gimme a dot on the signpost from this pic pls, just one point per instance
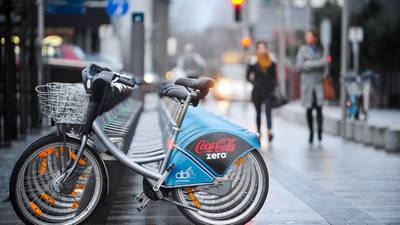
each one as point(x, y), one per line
point(64, 6)
point(137, 45)
point(356, 35)
point(117, 8)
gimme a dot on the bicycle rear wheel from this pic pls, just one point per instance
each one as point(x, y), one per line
point(34, 195)
point(249, 189)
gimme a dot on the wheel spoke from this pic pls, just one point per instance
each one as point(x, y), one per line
point(37, 196)
point(246, 195)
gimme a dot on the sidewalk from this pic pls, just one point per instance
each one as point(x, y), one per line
point(8, 158)
point(282, 207)
point(342, 181)
point(382, 130)
point(338, 182)
point(10, 155)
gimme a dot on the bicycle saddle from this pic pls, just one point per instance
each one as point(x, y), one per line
point(168, 89)
point(199, 84)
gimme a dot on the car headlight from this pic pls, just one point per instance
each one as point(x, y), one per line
point(224, 88)
point(148, 78)
point(169, 75)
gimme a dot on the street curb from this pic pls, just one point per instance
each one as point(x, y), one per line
point(382, 138)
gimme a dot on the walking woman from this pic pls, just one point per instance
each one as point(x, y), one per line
point(311, 63)
point(262, 75)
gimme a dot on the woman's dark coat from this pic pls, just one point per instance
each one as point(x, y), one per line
point(263, 82)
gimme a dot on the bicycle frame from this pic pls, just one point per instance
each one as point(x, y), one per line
point(135, 165)
point(189, 166)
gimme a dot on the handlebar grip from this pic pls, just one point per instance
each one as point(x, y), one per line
point(126, 81)
point(137, 80)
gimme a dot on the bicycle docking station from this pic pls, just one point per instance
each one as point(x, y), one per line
point(119, 124)
point(210, 165)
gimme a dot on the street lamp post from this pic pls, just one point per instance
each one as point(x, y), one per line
point(40, 36)
point(356, 35)
point(343, 63)
point(282, 46)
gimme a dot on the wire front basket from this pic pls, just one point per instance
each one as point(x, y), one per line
point(63, 102)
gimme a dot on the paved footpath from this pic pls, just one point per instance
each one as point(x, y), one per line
point(343, 182)
point(8, 157)
point(336, 182)
point(282, 206)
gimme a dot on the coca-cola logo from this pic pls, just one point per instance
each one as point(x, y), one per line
point(222, 145)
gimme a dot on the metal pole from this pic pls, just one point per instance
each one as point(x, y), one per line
point(343, 63)
point(137, 46)
point(356, 57)
point(308, 12)
point(40, 36)
point(282, 48)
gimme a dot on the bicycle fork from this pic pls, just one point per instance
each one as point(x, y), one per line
point(66, 182)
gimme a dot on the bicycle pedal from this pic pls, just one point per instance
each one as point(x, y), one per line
point(143, 205)
point(139, 196)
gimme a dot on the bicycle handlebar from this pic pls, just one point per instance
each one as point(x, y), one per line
point(126, 81)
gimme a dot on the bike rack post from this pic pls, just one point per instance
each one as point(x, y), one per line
point(121, 156)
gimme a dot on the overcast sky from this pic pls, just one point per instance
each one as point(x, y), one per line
point(197, 15)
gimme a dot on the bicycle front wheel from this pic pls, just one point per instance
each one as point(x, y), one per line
point(247, 194)
point(34, 195)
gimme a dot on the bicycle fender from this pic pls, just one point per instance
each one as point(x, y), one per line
point(217, 151)
point(187, 171)
point(207, 156)
point(212, 142)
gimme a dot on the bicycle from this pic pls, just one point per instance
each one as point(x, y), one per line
point(358, 88)
point(214, 177)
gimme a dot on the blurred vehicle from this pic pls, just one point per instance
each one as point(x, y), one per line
point(151, 82)
point(231, 83)
point(104, 61)
point(58, 53)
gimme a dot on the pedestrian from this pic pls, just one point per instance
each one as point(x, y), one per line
point(261, 73)
point(191, 62)
point(311, 63)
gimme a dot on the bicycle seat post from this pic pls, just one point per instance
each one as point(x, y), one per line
point(180, 115)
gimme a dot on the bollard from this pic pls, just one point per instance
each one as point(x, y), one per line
point(367, 134)
point(392, 140)
point(358, 133)
point(378, 136)
point(349, 130)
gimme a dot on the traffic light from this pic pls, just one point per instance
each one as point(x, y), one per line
point(246, 42)
point(237, 5)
